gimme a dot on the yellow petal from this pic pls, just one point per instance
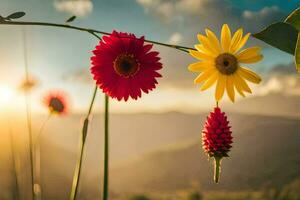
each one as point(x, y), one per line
point(220, 88)
point(225, 38)
point(213, 40)
point(235, 40)
point(252, 59)
point(238, 86)
point(249, 75)
point(242, 42)
point(209, 82)
point(201, 48)
point(230, 87)
point(207, 45)
point(242, 83)
point(248, 53)
point(204, 75)
point(200, 55)
point(199, 66)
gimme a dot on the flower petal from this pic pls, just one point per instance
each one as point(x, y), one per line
point(242, 42)
point(242, 83)
point(238, 86)
point(235, 40)
point(252, 59)
point(249, 75)
point(199, 66)
point(220, 88)
point(210, 81)
point(204, 75)
point(248, 53)
point(230, 87)
point(201, 48)
point(200, 55)
point(213, 40)
point(207, 45)
point(225, 38)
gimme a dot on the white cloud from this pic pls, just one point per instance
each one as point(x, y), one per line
point(197, 14)
point(79, 8)
point(284, 84)
point(175, 38)
point(264, 12)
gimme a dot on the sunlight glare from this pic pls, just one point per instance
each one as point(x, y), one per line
point(6, 94)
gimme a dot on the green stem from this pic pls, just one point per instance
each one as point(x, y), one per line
point(106, 149)
point(92, 31)
point(77, 173)
point(217, 169)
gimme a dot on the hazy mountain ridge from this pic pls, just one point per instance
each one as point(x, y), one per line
point(264, 152)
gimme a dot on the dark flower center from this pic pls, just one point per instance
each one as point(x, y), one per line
point(126, 65)
point(56, 105)
point(226, 63)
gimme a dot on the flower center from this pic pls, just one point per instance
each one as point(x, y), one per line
point(56, 105)
point(126, 65)
point(226, 63)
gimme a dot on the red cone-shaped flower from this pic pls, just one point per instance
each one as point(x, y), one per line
point(216, 138)
point(124, 66)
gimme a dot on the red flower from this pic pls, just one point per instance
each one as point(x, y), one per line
point(123, 66)
point(56, 103)
point(216, 138)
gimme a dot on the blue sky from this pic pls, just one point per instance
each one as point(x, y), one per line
point(59, 58)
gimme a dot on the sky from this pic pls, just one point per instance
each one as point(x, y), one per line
point(60, 58)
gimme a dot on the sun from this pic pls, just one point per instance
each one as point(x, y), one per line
point(6, 94)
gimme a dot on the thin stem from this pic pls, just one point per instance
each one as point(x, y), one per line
point(77, 173)
point(37, 158)
point(106, 149)
point(28, 113)
point(16, 192)
point(42, 127)
point(217, 169)
point(92, 31)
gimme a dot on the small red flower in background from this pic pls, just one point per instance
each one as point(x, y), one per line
point(216, 138)
point(56, 103)
point(123, 66)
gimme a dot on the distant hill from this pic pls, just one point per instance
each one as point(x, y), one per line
point(163, 152)
point(265, 152)
point(271, 104)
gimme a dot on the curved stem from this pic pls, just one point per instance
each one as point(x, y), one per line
point(42, 127)
point(106, 149)
point(77, 173)
point(92, 31)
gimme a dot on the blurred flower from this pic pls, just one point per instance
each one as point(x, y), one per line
point(123, 66)
point(216, 137)
point(28, 84)
point(220, 62)
point(56, 103)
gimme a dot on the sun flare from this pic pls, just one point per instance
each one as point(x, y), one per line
point(6, 94)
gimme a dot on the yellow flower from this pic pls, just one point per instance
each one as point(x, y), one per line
point(220, 62)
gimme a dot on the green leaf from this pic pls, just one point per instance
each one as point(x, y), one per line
point(280, 35)
point(16, 15)
point(297, 54)
point(71, 19)
point(294, 19)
